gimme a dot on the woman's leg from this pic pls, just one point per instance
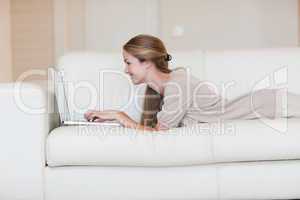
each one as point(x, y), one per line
point(287, 104)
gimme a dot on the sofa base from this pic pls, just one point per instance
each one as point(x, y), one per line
point(239, 180)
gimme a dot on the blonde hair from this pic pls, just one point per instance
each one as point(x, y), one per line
point(149, 48)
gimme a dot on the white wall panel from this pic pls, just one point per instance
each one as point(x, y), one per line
point(111, 23)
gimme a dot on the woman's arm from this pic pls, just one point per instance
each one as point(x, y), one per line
point(130, 123)
point(120, 116)
point(127, 122)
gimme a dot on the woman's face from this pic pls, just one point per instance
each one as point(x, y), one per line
point(134, 68)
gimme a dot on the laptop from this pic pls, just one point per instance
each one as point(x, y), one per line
point(63, 108)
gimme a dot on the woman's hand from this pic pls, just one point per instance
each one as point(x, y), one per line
point(121, 117)
point(100, 116)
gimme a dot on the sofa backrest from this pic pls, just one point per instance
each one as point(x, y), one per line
point(246, 70)
point(97, 81)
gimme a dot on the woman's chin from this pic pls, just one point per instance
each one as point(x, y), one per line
point(135, 81)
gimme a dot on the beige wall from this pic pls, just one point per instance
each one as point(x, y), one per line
point(5, 47)
point(109, 24)
point(69, 26)
point(44, 30)
point(230, 24)
point(32, 35)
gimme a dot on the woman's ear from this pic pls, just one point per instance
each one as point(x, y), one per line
point(147, 64)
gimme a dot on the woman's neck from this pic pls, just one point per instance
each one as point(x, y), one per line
point(157, 80)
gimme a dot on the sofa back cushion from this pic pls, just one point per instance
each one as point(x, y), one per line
point(245, 70)
point(192, 60)
point(97, 81)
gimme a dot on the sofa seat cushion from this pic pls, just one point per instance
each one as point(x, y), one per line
point(230, 141)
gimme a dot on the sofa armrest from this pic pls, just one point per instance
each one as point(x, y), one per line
point(26, 117)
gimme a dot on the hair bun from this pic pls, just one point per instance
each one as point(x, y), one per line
point(168, 57)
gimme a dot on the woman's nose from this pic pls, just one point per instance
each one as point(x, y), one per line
point(126, 69)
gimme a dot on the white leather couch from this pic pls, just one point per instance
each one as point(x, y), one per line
point(238, 159)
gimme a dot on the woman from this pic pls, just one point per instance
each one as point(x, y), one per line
point(175, 98)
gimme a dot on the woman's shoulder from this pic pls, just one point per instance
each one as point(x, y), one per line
point(184, 75)
point(180, 80)
point(178, 72)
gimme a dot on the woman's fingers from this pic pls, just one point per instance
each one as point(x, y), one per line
point(99, 120)
point(86, 114)
point(89, 115)
point(93, 115)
